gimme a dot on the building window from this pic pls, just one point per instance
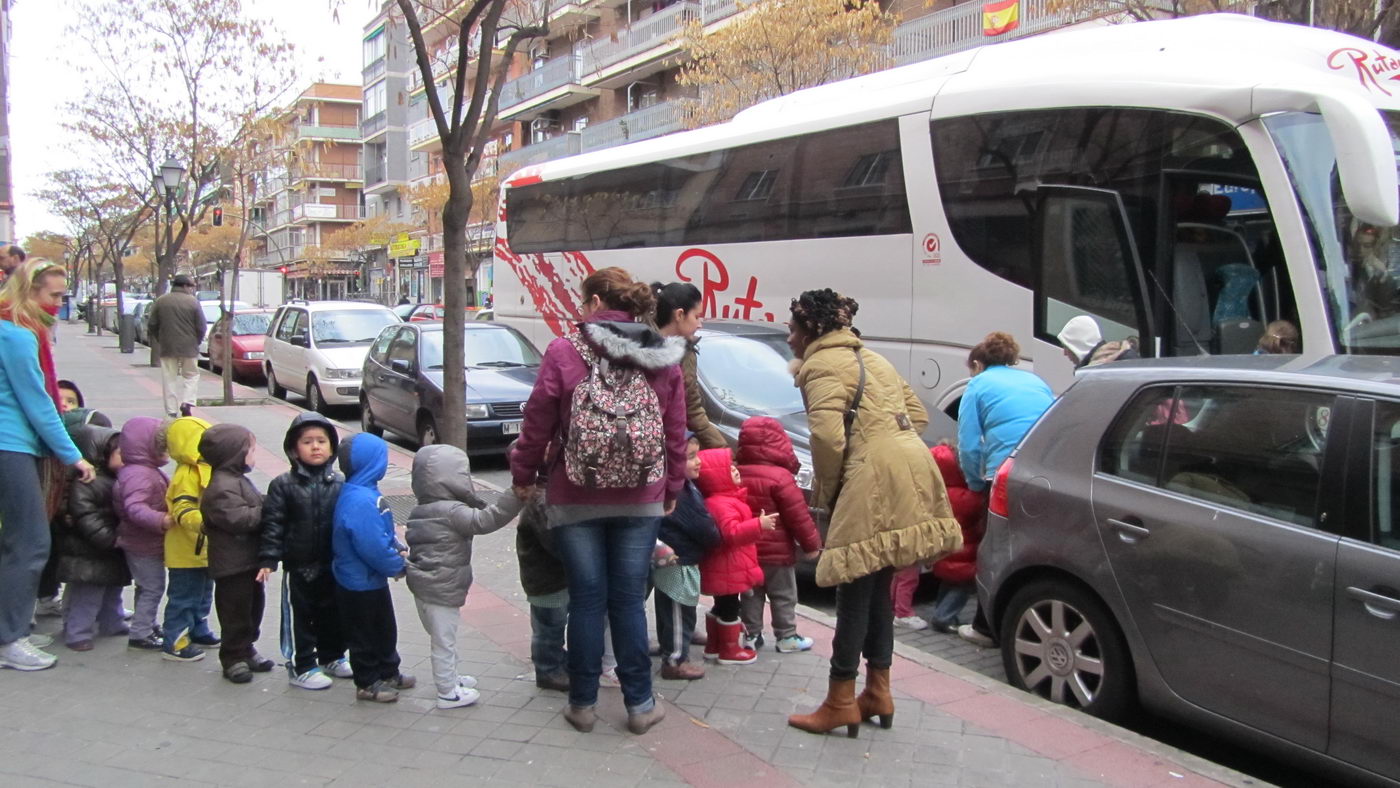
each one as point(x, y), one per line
point(757, 186)
point(375, 47)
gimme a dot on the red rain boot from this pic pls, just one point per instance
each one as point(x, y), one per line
point(732, 650)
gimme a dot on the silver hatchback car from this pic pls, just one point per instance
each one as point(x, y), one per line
point(1218, 539)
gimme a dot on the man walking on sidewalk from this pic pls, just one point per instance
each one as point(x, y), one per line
point(177, 325)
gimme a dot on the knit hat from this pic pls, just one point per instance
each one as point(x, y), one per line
point(1080, 336)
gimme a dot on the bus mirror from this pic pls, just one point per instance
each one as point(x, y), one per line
point(1365, 153)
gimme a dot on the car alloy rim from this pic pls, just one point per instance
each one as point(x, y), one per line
point(1057, 653)
point(429, 435)
point(313, 394)
point(366, 418)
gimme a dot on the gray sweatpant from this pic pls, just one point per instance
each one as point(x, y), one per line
point(780, 588)
point(148, 572)
point(441, 622)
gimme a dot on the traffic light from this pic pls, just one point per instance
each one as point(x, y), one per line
point(282, 269)
point(218, 217)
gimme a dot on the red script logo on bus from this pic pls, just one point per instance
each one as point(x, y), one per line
point(1371, 67)
point(714, 284)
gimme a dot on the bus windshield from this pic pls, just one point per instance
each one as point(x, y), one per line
point(1359, 262)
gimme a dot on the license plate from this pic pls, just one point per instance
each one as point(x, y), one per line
point(510, 428)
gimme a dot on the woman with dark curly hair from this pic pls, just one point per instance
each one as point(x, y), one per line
point(888, 506)
point(1000, 406)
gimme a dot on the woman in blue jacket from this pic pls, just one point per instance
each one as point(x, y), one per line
point(30, 429)
point(1000, 406)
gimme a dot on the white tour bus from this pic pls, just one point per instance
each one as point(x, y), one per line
point(1185, 182)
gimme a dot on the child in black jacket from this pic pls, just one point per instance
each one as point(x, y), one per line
point(690, 532)
point(296, 531)
point(87, 557)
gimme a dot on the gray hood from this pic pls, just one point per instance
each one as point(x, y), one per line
point(443, 473)
point(633, 343)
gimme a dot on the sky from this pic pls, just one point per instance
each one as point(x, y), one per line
point(44, 76)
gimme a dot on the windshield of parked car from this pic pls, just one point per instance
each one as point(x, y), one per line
point(349, 326)
point(490, 348)
point(1359, 263)
point(255, 323)
point(750, 374)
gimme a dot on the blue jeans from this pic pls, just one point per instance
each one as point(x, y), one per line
point(951, 599)
point(189, 593)
point(609, 563)
point(24, 542)
point(547, 625)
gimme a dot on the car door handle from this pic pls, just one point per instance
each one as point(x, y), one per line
point(1379, 605)
point(1130, 531)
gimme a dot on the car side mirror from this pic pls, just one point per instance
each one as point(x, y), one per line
point(299, 340)
point(401, 365)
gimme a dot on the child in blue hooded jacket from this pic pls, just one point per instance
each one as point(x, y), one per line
point(365, 554)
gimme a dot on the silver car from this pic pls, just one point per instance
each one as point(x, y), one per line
point(1218, 539)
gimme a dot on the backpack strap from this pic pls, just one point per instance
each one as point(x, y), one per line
point(849, 417)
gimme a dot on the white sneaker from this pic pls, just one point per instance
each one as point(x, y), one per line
point(40, 641)
point(966, 632)
point(49, 607)
point(793, 644)
point(911, 622)
point(608, 678)
point(465, 696)
point(22, 655)
point(469, 682)
point(340, 669)
point(314, 679)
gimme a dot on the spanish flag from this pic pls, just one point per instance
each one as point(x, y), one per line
point(1000, 17)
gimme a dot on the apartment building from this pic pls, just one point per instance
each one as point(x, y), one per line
point(313, 191)
point(389, 61)
point(7, 208)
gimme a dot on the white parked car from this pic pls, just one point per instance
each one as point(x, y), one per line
point(318, 349)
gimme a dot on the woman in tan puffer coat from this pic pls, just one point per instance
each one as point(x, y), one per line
point(888, 506)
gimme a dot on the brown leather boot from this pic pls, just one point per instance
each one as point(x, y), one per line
point(838, 709)
point(875, 700)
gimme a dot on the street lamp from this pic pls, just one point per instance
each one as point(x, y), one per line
point(167, 182)
point(171, 172)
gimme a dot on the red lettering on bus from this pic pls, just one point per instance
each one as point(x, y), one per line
point(714, 277)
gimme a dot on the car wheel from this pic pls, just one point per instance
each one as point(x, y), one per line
point(427, 431)
point(367, 419)
point(1058, 641)
point(272, 387)
point(314, 400)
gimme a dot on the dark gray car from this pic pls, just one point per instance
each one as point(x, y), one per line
point(1219, 539)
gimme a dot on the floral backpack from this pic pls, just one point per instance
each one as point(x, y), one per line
point(615, 437)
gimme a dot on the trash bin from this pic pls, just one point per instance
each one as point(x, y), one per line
point(126, 333)
point(65, 312)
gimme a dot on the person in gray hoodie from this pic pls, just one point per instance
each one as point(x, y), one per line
point(439, 535)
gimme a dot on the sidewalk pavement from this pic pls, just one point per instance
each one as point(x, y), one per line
point(113, 717)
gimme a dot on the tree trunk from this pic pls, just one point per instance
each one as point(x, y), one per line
point(452, 427)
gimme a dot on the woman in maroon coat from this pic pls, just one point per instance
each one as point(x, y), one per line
point(767, 466)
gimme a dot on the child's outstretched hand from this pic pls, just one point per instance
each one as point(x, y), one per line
point(167, 523)
point(767, 521)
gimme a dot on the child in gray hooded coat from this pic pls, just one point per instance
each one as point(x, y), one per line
point(439, 568)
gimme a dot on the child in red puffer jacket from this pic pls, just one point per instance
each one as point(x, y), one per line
point(731, 568)
point(767, 465)
point(956, 572)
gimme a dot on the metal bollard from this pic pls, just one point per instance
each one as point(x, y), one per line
point(126, 333)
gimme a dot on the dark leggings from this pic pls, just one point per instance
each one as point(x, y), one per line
point(726, 607)
point(864, 625)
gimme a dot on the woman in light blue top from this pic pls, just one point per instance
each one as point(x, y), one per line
point(30, 428)
point(998, 408)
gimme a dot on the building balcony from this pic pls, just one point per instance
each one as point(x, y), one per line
point(328, 131)
point(321, 212)
point(327, 171)
point(653, 121)
point(612, 63)
point(551, 86)
point(423, 135)
point(375, 70)
point(571, 13)
point(713, 11)
point(960, 28)
point(374, 125)
point(566, 144)
point(481, 236)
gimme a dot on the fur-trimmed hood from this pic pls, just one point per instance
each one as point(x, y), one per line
point(631, 343)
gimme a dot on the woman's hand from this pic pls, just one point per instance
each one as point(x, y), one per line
point(86, 473)
point(670, 507)
point(523, 493)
